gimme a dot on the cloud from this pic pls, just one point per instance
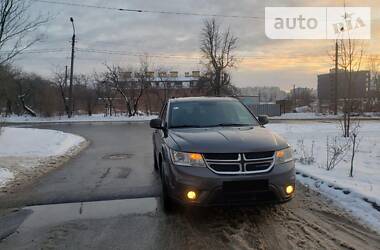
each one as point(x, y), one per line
point(266, 62)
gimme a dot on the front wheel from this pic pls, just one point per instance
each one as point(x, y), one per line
point(167, 202)
point(155, 161)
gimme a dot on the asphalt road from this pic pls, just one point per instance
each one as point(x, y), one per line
point(108, 198)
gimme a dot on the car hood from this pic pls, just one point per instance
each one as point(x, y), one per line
point(225, 140)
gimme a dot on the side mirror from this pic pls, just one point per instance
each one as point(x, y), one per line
point(263, 119)
point(156, 123)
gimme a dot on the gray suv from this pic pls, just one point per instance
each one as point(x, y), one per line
point(214, 151)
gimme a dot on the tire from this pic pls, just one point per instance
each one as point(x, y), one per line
point(155, 161)
point(167, 202)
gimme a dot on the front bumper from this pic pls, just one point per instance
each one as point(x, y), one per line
point(211, 187)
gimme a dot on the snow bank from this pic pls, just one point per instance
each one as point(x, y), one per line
point(319, 116)
point(350, 202)
point(79, 118)
point(23, 150)
point(5, 176)
point(357, 193)
point(29, 142)
point(304, 116)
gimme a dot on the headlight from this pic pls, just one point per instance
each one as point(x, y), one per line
point(284, 156)
point(187, 159)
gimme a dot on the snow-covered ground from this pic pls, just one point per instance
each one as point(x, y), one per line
point(25, 150)
point(306, 116)
point(124, 118)
point(318, 116)
point(5, 176)
point(359, 194)
point(79, 118)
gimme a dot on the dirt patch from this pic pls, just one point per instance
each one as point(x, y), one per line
point(29, 169)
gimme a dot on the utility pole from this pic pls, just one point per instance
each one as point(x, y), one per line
point(71, 106)
point(259, 96)
point(336, 80)
point(67, 109)
point(66, 75)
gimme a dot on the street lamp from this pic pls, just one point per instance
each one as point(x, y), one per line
point(72, 22)
point(71, 106)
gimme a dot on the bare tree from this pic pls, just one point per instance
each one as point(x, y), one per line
point(218, 48)
point(23, 93)
point(106, 93)
point(60, 80)
point(19, 84)
point(305, 155)
point(302, 96)
point(85, 94)
point(15, 27)
point(163, 91)
point(336, 149)
point(8, 89)
point(350, 60)
point(130, 88)
point(354, 146)
point(113, 77)
point(144, 79)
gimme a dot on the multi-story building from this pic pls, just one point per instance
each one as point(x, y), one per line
point(360, 85)
point(159, 86)
point(164, 80)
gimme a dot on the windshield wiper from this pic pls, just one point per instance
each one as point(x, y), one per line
point(186, 126)
point(231, 125)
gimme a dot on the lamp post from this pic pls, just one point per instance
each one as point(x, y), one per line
point(71, 106)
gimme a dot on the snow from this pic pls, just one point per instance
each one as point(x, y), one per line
point(5, 176)
point(79, 118)
point(352, 203)
point(319, 116)
point(310, 139)
point(25, 149)
point(36, 142)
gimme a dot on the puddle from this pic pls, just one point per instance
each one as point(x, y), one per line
point(118, 156)
point(49, 215)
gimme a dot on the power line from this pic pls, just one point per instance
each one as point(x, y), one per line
point(126, 53)
point(161, 62)
point(165, 12)
point(163, 56)
point(37, 51)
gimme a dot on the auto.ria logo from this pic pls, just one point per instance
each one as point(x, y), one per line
point(318, 22)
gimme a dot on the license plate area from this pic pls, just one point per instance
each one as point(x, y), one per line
point(245, 186)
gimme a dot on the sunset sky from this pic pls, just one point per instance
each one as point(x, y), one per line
point(173, 40)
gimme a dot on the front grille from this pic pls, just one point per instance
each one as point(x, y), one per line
point(235, 163)
point(228, 157)
point(258, 155)
point(258, 166)
point(225, 167)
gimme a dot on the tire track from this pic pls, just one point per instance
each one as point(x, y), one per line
point(307, 222)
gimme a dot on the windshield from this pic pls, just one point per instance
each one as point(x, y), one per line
point(209, 114)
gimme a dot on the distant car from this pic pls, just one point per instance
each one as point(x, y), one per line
point(214, 151)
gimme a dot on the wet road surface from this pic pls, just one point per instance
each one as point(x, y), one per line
point(118, 165)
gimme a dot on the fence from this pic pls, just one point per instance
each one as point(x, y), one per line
point(266, 109)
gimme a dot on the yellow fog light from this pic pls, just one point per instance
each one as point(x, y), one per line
point(289, 189)
point(191, 195)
